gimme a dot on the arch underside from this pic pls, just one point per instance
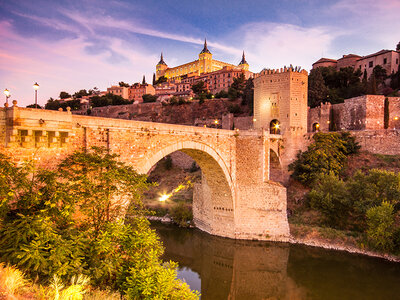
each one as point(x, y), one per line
point(213, 199)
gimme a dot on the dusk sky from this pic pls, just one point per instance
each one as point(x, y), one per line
point(81, 44)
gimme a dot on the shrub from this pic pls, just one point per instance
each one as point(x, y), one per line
point(194, 167)
point(380, 231)
point(221, 94)
point(326, 154)
point(12, 280)
point(168, 162)
point(148, 98)
point(67, 221)
point(182, 214)
point(329, 195)
point(234, 109)
point(369, 190)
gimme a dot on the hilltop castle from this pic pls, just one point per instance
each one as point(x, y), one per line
point(205, 64)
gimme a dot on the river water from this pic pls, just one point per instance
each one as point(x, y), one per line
point(222, 268)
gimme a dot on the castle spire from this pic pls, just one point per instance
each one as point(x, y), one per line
point(161, 62)
point(243, 61)
point(205, 49)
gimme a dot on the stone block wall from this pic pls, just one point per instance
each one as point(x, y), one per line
point(394, 112)
point(236, 201)
point(359, 113)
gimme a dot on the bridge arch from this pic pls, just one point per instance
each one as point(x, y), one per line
point(213, 199)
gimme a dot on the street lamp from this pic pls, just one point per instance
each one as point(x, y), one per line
point(7, 93)
point(36, 87)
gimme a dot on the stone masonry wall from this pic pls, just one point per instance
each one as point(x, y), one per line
point(359, 113)
point(248, 207)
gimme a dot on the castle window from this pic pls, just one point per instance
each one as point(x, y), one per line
point(397, 61)
point(385, 61)
point(275, 127)
point(371, 64)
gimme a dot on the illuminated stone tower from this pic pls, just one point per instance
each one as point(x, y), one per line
point(280, 107)
point(205, 60)
point(243, 63)
point(161, 67)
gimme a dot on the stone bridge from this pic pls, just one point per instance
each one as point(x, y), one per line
point(236, 198)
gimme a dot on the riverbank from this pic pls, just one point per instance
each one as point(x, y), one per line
point(341, 246)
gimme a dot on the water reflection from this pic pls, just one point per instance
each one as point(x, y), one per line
point(229, 269)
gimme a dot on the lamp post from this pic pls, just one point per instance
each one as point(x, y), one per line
point(7, 93)
point(36, 87)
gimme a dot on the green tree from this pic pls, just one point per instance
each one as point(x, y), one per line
point(66, 222)
point(237, 87)
point(221, 94)
point(199, 88)
point(64, 95)
point(398, 46)
point(248, 95)
point(123, 84)
point(108, 99)
point(379, 74)
point(33, 106)
point(161, 79)
point(81, 93)
point(154, 79)
point(147, 98)
point(325, 155)
point(380, 220)
point(329, 195)
point(317, 91)
point(369, 190)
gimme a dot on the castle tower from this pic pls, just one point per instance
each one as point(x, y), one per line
point(205, 60)
point(161, 67)
point(243, 63)
point(280, 107)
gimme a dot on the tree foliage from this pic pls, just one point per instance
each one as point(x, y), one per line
point(66, 222)
point(326, 154)
point(336, 86)
point(108, 99)
point(148, 98)
point(56, 104)
point(329, 195)
point(64, 95)
point(380, 220)
point(199, 88)
point(123, 84)
point(161, 79)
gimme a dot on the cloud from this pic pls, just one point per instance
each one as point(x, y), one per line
point(274, 45)
point(65, 65)
point(106, 21)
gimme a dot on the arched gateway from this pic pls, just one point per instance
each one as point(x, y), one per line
point(236, 199)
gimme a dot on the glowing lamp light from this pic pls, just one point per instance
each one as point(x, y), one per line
point(317, 125)
point(396, 118)
point(254, 119)
point(276, 126)
point(36, 86)
point(164, 198)
point(7, 93)
point(216, 121)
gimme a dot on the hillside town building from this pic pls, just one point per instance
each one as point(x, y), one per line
point(387, 59)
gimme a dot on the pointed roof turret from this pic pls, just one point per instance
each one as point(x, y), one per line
point(205, 49)
point(161, 62)
point(243, 61)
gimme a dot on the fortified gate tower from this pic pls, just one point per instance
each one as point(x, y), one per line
point(280, 107)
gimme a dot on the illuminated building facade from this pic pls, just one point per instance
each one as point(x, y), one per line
point(205, 64)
